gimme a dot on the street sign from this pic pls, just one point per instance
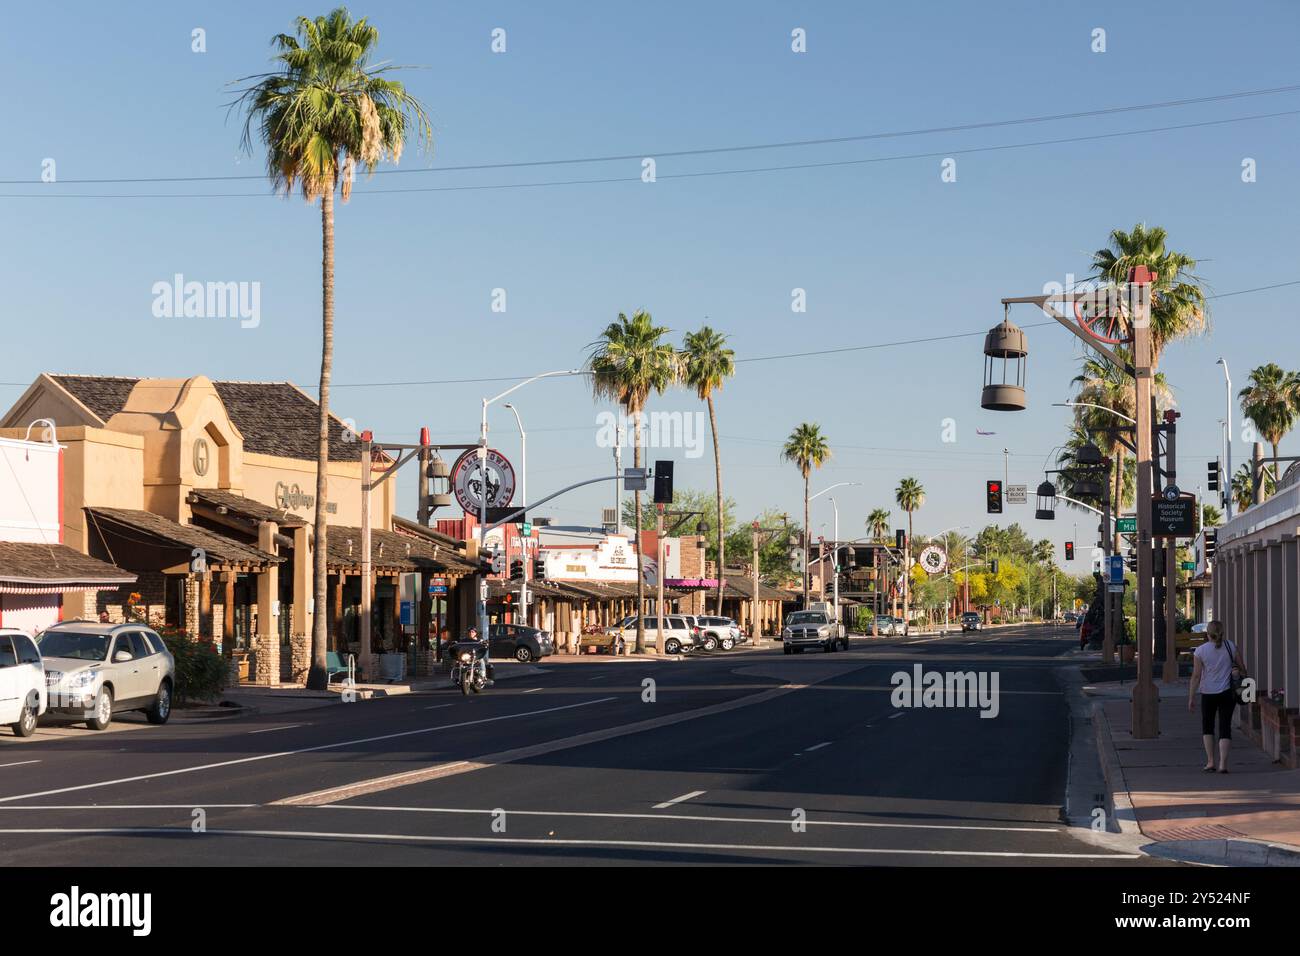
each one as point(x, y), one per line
point(1188, 565)
point(1115, 588)
point(1127, 525)
point(1017, 494)
point(527, 529)
point(1116, 574)
point(1174, 518)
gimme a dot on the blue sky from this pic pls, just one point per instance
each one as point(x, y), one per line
point(886, 251)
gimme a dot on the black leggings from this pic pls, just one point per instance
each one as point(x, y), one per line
point(1221, 704)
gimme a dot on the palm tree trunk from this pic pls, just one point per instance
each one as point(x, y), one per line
point(1277, 465)
point(807, 535)
point(317, 678)
point(717, 476)
point(640, 560)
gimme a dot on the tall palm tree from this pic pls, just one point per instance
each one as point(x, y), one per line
point(910, 495)
point(1177, 298)
point(627, 363)
point(324, 110)
point(1271, 400)
point(878, 523)
point(1211, 516)
point(707, 364)
point(808, 449)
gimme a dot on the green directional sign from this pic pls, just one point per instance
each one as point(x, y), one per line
point(1188, 565)
point(1127, 525)
point(527, 529)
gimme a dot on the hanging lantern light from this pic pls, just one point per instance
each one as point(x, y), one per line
point(1046, 505)
point(1088, 456)
point(1005, 350)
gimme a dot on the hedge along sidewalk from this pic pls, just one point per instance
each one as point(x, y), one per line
point(1249, 816)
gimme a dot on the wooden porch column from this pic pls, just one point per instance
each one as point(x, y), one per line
point(336, 614)
point(205, 606)
point(228, 615)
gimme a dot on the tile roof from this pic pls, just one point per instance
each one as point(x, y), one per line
point(275, 418)
point(390, 550)
point(244, 507)
point(167, 533)
point(26, 563)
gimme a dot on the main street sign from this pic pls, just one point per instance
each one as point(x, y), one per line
point(1017, 494)
point(1127, 525)
point(1173, 518)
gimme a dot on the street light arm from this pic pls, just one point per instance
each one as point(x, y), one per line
point(529, 381)
point(1092, 405)
point(1081, 505)
point(840, 484)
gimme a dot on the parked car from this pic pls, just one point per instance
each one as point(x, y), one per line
point(805, 629)
point(677, 633)
point(715, 632)
point(23, 697)
point(884, 625)
point(523, 643)
point(93, 671)
point(970, 621)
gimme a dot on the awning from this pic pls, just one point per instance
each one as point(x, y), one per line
point(392, 552)
point(144, 527)
point(34, 568)
point(252, 512)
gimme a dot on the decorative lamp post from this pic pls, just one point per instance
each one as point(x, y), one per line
point(1004, 381)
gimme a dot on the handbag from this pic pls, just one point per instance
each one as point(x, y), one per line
point(1236, 675)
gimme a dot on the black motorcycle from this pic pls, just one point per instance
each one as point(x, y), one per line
point(470, 669)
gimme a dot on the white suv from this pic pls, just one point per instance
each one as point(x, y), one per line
point(93, 671)
point(678, 637)
point(22, 682)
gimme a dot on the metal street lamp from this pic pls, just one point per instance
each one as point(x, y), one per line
point(1045, 509)
point(1004, 386)
point(523, 493)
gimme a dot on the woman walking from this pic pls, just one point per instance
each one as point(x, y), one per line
point(1217, 663)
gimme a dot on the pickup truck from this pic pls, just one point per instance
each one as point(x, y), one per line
point(813, 629)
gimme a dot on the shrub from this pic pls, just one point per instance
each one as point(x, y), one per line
point(200, 671)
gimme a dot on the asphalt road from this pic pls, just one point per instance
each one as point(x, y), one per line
point(740, 757)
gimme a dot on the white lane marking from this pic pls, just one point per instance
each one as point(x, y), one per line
point(598, 677)
point(819, 746)
point(439, 706)
point(785, 822)
point(20, 763)
point(682, 799)
point(523, 841)
point(533, 691)
point(267, 730)
point(130, 806)
point(899, 714)
point(438, 771)
point(301, 750)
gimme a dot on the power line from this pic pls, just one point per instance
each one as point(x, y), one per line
point(760, 358)
point(669, 176)
point(752, 147)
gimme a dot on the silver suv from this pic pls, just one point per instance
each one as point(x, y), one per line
point(93, 671)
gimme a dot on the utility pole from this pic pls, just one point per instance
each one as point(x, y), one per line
point(1226, 479)
point(659, 577)
point(1146, 699)
point(755, 629)
point(1108, 601)
point(1170, 675)
point(365, 662)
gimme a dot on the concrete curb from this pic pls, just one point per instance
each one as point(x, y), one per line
point(210, 714)
point(1225, 852)
point(1119, 808)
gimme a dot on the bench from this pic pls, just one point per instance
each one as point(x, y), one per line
point(334, 665)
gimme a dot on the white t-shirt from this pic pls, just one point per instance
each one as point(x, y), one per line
point(1216, 666)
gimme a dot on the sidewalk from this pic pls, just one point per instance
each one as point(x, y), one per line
point(1249, 816)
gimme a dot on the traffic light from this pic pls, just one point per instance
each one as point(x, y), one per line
point(900, 539)
point(1069, 550)
point(993, 496)
point(1131, 561)
point(516, 570)
point(1212, 476)
point(663, 483)
point(993, 567)
point(1211, 543)
point(539, 569)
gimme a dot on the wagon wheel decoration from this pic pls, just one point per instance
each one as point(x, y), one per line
point(1103, 320)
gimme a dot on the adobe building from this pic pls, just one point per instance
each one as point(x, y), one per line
point(205, 491)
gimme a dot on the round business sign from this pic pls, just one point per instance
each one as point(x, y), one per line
point(1172, 493)
point(934, 559)
point(468, 480)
